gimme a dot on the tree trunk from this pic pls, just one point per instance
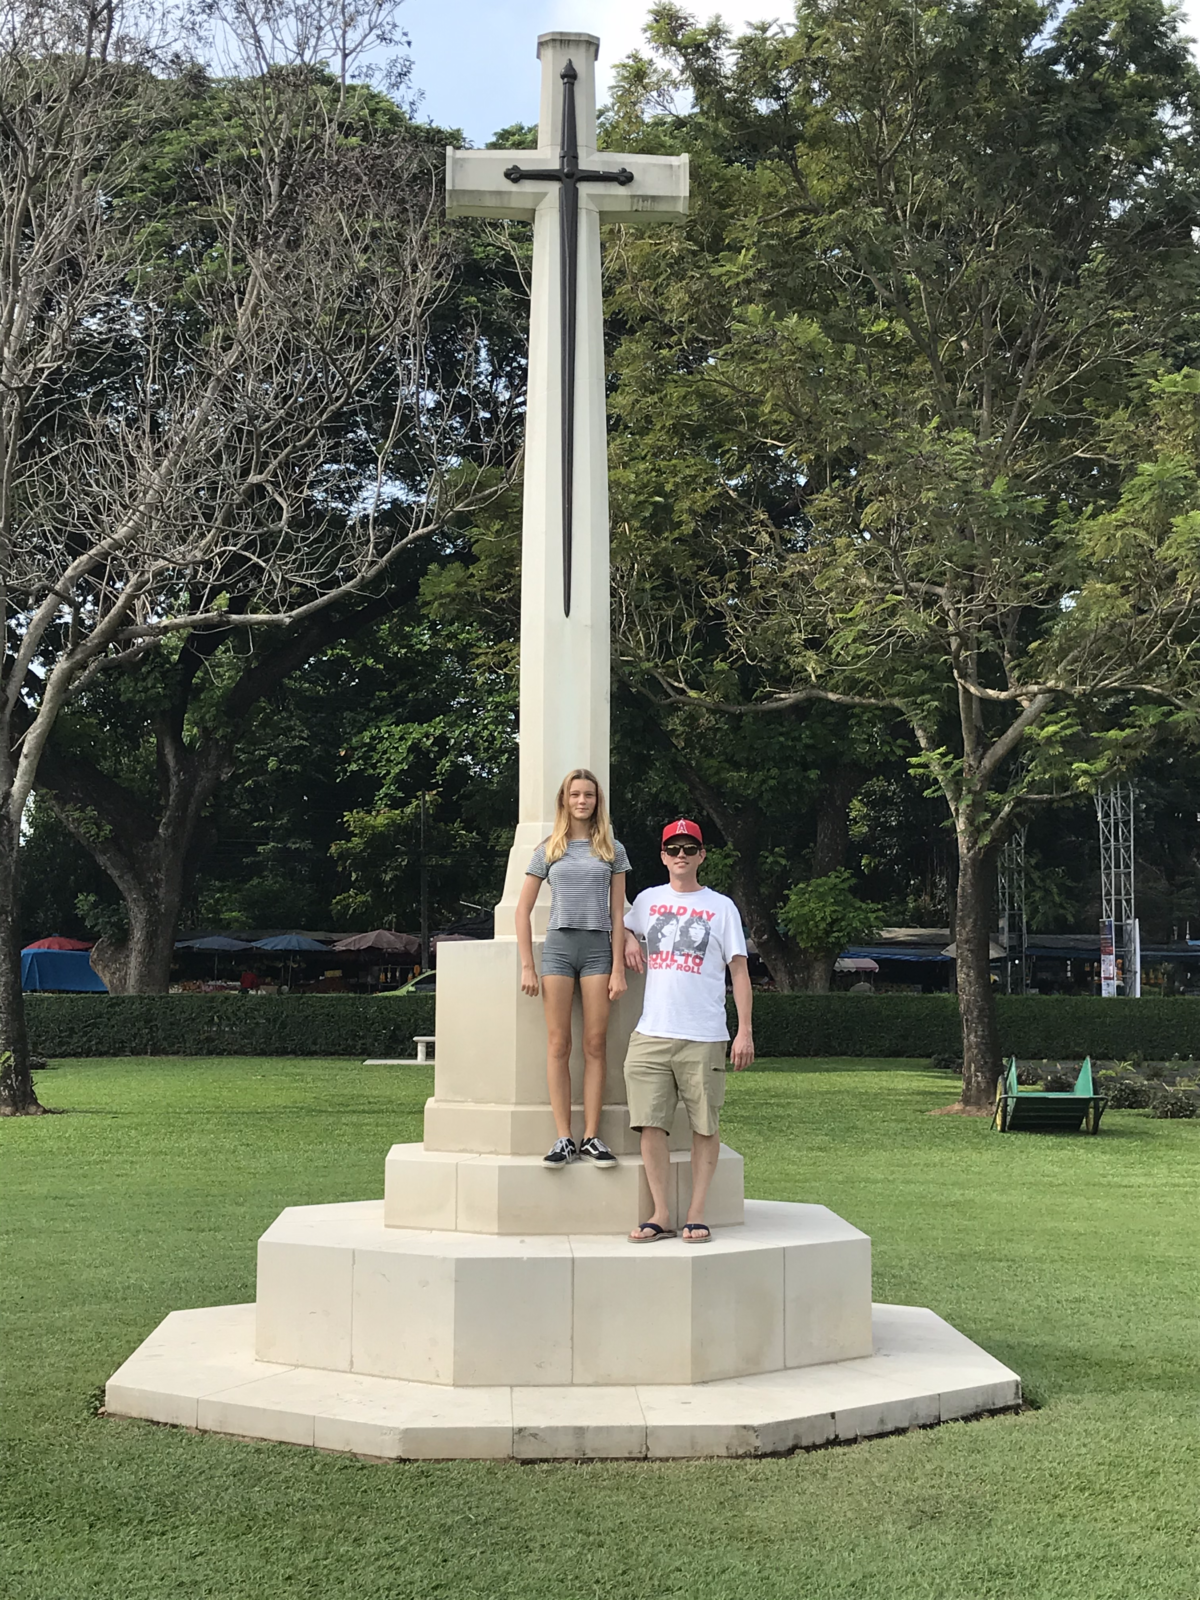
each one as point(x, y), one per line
point(141, 963)
point(816, 971)
point(832, 846)
point(17, 1097)
point(976, 1000)
point(149, 857)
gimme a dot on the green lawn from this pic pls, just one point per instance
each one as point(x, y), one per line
point(1074, 1260)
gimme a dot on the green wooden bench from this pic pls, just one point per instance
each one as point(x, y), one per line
point(1031, 1110)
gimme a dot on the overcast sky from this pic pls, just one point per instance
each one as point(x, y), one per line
point(476, 60)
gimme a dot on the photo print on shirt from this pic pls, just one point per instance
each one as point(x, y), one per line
point(678, 938)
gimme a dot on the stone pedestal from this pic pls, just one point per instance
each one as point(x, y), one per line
point(488, 1306)
point(339, 1289)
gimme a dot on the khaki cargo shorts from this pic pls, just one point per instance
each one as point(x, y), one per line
point(659, 1073)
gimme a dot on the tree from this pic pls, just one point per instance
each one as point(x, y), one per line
point(824, 915)
point(221, 420)
point(944, 288)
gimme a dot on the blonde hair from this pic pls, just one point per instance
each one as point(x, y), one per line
point(601, 827)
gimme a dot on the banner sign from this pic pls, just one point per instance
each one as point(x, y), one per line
point(1108, 960)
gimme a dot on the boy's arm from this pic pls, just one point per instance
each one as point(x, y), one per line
point(742, 1054)
point(635, 959)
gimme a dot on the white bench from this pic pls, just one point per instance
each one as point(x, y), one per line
point(422, 1042)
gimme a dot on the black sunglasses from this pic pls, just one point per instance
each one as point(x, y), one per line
point(681, 849)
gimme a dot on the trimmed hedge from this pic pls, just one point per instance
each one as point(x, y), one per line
point(1068, 1026)
point(226, 1025)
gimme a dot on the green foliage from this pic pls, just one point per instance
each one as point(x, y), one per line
point(824, 915)
point(227, 1025)
point(1127, 1091)
point(1170, 1105)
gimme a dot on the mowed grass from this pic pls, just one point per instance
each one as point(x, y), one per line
point(1072, 1259)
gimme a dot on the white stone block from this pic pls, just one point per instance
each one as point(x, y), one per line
point(512, 1321)
point(827, 1289)
point(724, 1203)
point(448, 1308)
point(519, 1195)
point(737, 1310)
point(404, 1314)
point(491, 1038)
point(189, 1354)
point(304, 1301)
point(633, 1313)
point(266, 1408)
point(420, 1188)
point(382, 1417)
point(572, 1424)
point(970, 1400)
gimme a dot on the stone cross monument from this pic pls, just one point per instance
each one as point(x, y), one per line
point(565, 188)
point(488, 1306)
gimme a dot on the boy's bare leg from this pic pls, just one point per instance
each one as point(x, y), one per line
point(656, 1157)
point(706, 1147)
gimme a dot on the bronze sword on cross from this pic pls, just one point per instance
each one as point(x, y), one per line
point(568, 175)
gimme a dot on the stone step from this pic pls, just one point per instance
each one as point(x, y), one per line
point(198, 1370)
point(789, 1287)
point(474, 1193)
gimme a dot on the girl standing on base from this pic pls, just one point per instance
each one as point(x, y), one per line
point(585, 942)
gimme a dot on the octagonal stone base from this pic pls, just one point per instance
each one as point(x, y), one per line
point(338, 1289)
point(198, 1370)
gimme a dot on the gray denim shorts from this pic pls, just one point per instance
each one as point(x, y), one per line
point(577, 953)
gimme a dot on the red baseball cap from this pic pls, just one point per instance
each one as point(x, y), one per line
point(683, 825)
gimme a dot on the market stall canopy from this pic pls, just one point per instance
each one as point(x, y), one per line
point(855, 964)
point(385, 940)
point(996, 952)
point(289, 941)
point(215, 941)
point(57, 942)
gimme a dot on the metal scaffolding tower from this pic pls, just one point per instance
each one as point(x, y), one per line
point(1119, 934)
point(1010, 884)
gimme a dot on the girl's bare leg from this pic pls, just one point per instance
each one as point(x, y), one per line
point(595, 1050)
point(557, 995)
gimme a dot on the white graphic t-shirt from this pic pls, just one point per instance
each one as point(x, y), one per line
point(690, 939)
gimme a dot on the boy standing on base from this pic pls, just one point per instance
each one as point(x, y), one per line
point(677, 1052)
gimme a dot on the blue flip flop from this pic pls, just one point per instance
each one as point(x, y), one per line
point(697, 1233)
point(657, 1233)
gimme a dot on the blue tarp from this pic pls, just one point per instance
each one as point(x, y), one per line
point(59, 969)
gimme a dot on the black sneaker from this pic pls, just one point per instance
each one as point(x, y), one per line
point(561, 1154)
point(597, 1152)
